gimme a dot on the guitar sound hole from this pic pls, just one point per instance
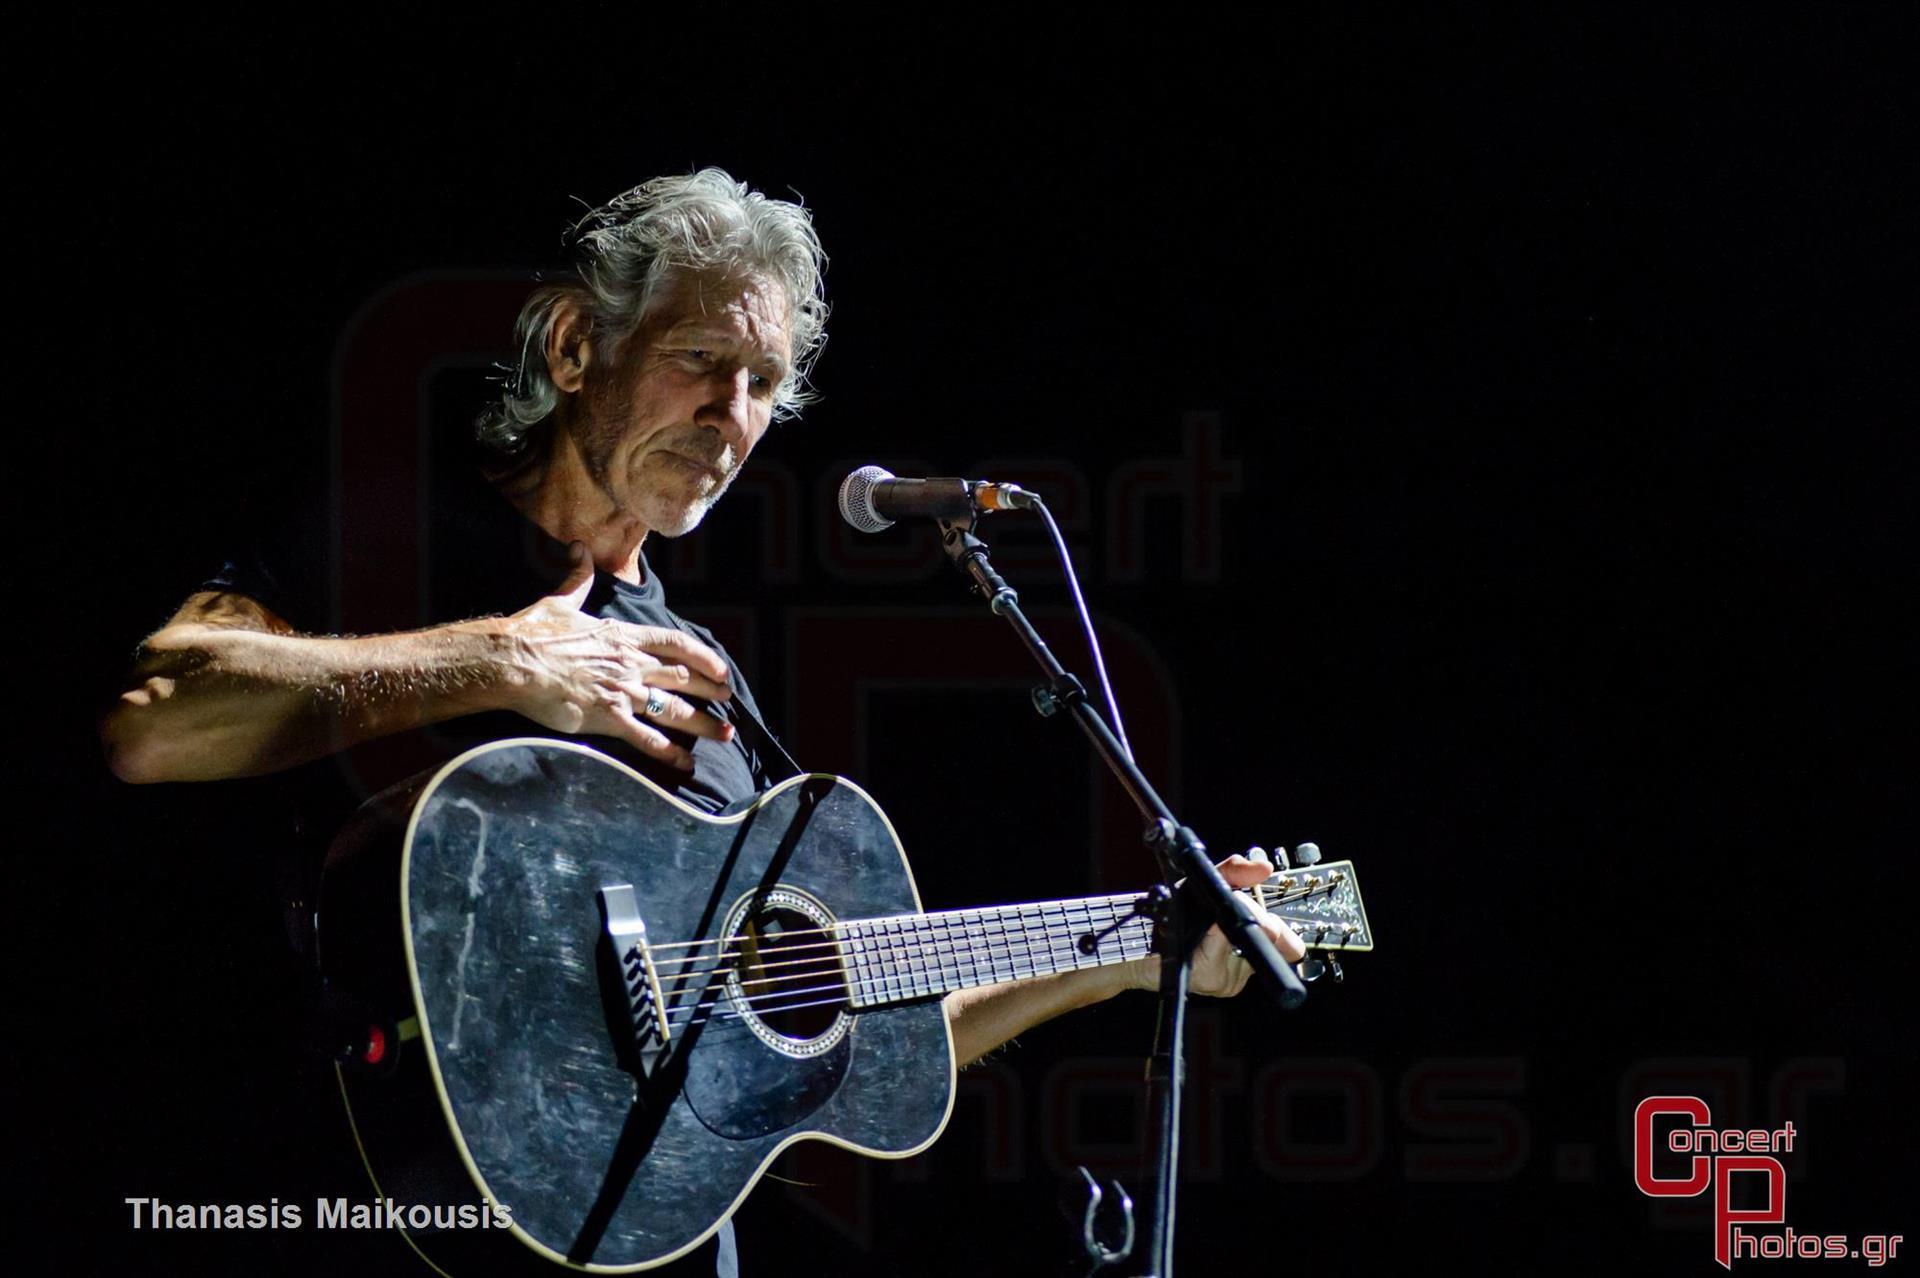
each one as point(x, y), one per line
point(790, 974)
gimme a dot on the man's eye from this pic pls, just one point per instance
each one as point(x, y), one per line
point(700, 354)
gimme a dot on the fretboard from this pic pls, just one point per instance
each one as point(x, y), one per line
point(913, 956)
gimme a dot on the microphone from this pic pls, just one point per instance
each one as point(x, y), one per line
point(871, 498)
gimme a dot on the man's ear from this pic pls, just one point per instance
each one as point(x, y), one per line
point(568, 350)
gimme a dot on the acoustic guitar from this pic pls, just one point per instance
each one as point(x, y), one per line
point(597, 1014)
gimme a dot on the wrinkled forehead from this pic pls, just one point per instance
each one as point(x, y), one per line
point(749, 308)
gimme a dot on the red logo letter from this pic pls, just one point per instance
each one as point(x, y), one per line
point(1725, 1217)
point(1660, 1186)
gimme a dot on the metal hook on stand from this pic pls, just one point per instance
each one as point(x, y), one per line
point(1098, 1252)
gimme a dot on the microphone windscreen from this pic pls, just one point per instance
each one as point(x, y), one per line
point(856, 499)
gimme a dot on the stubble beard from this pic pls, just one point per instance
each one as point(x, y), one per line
point(678, 520)
point(597, 445)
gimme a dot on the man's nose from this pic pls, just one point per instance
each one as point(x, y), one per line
point(729, 406)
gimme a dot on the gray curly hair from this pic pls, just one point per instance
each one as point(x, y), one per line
point(626, 251)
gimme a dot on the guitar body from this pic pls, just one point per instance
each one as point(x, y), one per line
point(619, 1115)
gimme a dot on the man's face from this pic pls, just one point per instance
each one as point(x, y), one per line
point(676, 408)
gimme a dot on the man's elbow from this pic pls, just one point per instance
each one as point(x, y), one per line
point(135, 752)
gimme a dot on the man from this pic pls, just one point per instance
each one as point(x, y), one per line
point(643, 386)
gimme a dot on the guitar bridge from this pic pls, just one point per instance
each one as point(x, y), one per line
point(646, 1005)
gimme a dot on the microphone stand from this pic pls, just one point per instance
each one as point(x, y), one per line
point(1180, 916)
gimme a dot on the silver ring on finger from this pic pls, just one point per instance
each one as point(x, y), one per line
point(656, 702)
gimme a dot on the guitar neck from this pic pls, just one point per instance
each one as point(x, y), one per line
point(915, 956)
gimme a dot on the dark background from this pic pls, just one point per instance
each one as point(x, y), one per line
point(1564, 359)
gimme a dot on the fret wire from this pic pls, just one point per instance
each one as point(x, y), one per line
point(970, 973)
point(994, 928)
point(897, 944)
point(923, 933)
point(917, 935)
point(942, 948)
point(930, 942)
point(939, 950)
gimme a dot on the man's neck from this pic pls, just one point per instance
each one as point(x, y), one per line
point(569, 506)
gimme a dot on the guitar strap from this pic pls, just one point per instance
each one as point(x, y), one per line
point(764, 743)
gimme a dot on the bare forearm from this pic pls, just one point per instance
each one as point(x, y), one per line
point(984, 1018)
point(218, 701)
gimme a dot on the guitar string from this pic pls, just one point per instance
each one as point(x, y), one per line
point(918, 942)
point(938, 971)
point(990, 929)
point(896, 945)
point(987, 914)
point(982, 914)
point(930, 943)
point(954, 960)
point(996, 912)
point(918, 946)
point(706, 1008)
point(774, 941)
point(876, 987)
point(904, 970)
point(716, 1011)
point(1075, 960)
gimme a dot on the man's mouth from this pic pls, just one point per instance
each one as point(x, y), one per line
point(712, 469)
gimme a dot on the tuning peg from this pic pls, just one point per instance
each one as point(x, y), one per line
point(1307, 854)
point(1280, 861)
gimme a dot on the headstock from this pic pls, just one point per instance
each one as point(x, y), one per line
point(1321, 902)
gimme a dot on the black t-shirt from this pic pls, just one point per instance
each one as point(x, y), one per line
point(328, 571)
